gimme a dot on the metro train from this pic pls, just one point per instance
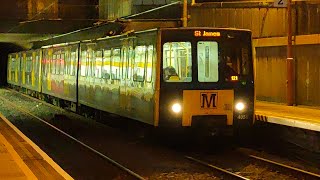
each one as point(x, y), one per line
point(195, 77)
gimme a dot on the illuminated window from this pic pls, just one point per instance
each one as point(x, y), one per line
point(207, 61)
point(124, 60)
point(106, 64)
point(73, 62)
point(177, 62)
point(149, 63)
point(115, 64)
point(98, 64)
point(139, 63)
point(83, 63)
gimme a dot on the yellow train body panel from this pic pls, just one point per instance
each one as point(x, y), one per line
point(207, 102)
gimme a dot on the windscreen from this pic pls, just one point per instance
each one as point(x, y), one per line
point(207, 58)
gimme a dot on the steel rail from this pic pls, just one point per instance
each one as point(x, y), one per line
point(78, 141)
point(216, 168)
point(286, 166)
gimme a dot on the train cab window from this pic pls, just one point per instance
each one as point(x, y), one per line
point(177, 62)
point(115, 64)
point(106, 64)
point(149, 63)
point(139, 63)
point(207, 61)
point(98, 64)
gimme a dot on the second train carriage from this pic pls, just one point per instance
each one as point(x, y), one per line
point(174, 77)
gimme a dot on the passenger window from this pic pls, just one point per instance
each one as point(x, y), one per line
point(207, 61)
point(106, 64)
point(177, 62)
point(29, 64)
point(89, 61)
point(139, 62)
point(12, 63)
point(98, 64)
point(130, 60)
point(83, 63)
point(74, 58)
point(37, 62)
point(149, 63)
point(67, 63)
point(53, 64)
point(115, 64)
point(124, 60)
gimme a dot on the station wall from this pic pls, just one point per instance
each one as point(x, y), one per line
point(269, 28)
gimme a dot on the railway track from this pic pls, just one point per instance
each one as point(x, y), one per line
point(280, 167)
point(229, 173)
point(287, 167)
point(110, 160)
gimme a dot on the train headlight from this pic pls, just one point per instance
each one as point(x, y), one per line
point(176, 107)
point(240, 106)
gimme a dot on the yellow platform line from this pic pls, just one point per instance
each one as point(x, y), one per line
point(25, 169)
point(54, 165)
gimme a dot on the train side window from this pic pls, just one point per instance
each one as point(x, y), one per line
point(98, 64)
point(149, 63)
point(67, 62)
point(115, 64)
point(74, 58)
point(177, 62)
point(124, 62)
point(90, 62)
point(61, 62)
point(130, 61)
point(139, 63)
point(83, 63)
point(207, 61)
point(12, 63)
point(45, 58)
point(37, 62)
point(28, 64)
point(53, 64)
point(106, 64)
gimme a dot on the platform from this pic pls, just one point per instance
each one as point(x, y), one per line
point(294, 116)
point(20, 158)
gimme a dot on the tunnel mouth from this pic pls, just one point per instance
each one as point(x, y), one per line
point(5, 49)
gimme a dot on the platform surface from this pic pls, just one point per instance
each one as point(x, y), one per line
point(20, 158)
point(294, 116)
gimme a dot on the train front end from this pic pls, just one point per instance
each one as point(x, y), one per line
point(206, 79)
